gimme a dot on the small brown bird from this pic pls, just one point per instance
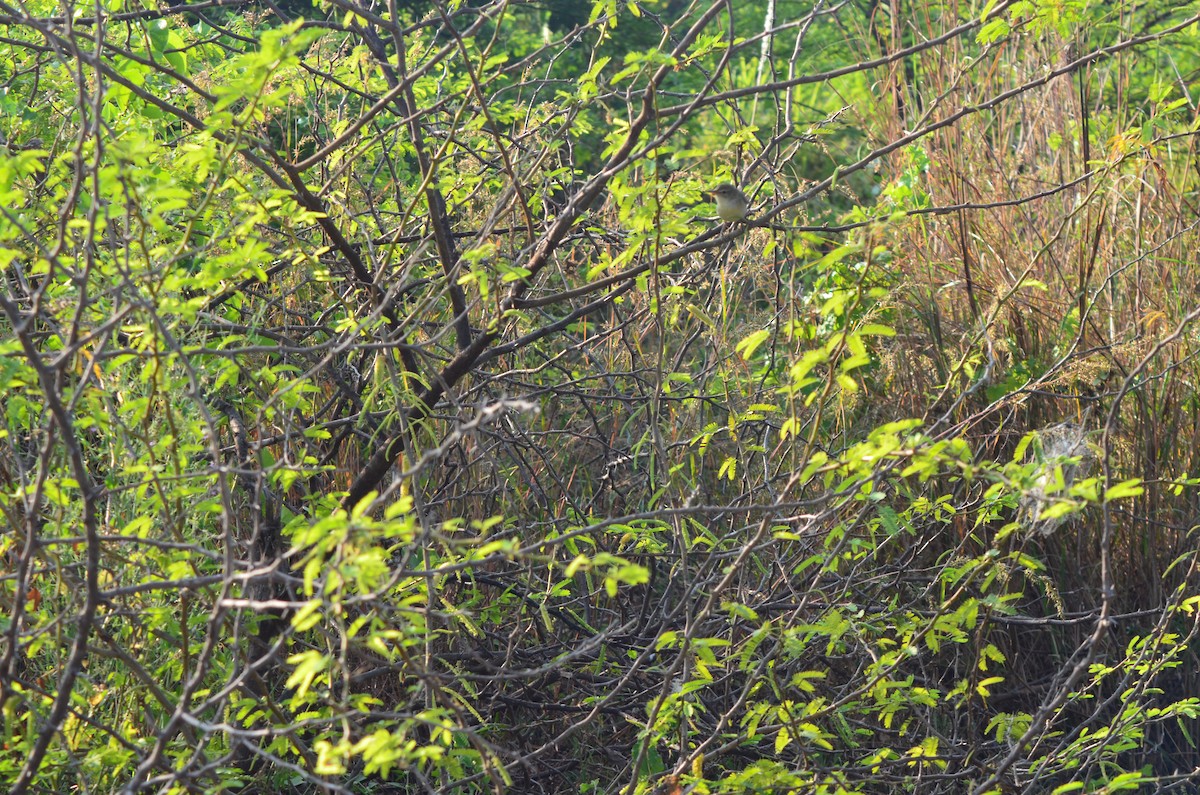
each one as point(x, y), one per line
point(732, 204)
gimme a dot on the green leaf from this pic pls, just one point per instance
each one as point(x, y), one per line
point(750, 344)
point(1126, 488)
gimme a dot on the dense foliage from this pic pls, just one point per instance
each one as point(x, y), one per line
point(385, 410)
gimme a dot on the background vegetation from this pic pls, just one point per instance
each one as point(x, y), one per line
point(384, 410)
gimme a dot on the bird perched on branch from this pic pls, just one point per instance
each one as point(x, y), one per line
point(732, 204)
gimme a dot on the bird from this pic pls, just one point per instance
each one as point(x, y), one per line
point(732, 204)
